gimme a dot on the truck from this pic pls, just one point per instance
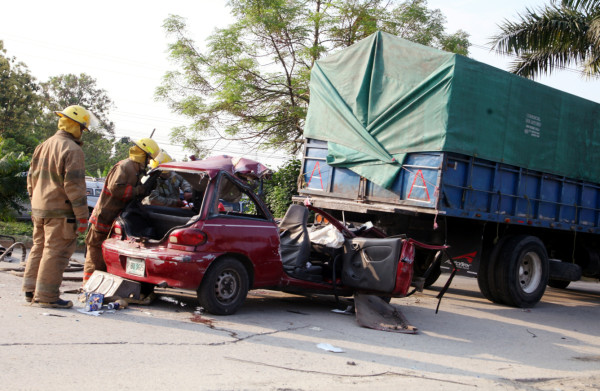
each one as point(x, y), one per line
point(450, 151)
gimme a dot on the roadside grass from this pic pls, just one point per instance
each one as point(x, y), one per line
point(16, 228)
point(22, 231)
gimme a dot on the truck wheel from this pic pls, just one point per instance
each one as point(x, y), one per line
point(558, 284)
point(224, 287)
point(485, 274)
point(522, 271)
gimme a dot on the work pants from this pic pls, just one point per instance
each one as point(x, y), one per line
point(93, 258)
point(54, 241)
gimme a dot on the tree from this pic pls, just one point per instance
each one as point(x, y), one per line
point(13, 182)
point(563, 33)
point(66, 90)
point(279, 189)
point(19, 105)
point(251, 82)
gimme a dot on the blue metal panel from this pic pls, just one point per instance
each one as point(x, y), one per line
point(465, 186)
point(485, 190)
point(345, 182)
point(316, 174)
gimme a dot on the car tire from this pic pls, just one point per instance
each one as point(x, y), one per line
point(224, 287)
point(521, 272)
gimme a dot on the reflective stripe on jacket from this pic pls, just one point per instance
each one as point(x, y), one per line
point(56, 179)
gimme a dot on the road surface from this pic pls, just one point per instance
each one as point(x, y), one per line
point(272, 343)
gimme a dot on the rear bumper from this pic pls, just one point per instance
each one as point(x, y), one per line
point(178, 269)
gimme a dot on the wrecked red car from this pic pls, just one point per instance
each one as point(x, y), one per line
point(221, 251)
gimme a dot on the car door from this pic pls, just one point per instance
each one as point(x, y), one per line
point(373, 263)
point(249, 231)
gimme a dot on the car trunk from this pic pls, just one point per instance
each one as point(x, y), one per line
point(154, 222)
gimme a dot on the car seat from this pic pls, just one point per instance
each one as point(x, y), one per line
point(295, 245)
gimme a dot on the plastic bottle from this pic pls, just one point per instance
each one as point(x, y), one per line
point(113, 306)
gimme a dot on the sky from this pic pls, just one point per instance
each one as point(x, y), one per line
point(123, 46)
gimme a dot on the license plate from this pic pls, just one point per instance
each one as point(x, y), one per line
point(136, 267)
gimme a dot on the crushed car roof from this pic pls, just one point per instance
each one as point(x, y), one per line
point(239, 166)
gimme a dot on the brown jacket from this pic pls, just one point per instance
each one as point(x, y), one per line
point(119, 188)
point(56, 179)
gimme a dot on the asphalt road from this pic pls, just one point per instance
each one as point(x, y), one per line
point(272, 344)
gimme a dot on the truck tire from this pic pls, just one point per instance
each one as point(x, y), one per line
point(485, 274)
point(521, 272)
point(224, 287)
point(558, 284)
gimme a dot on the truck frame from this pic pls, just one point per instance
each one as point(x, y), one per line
point(515, 229)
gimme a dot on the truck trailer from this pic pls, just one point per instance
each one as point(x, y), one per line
point(448, 150)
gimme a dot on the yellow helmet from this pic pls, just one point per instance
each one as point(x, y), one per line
point(77, 114)
point(149, 146)
point(163, 157)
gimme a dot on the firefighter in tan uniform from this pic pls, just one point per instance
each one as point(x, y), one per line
point(59, 211)
point(121, 185)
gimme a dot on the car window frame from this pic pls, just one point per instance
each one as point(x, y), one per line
point(213, 211)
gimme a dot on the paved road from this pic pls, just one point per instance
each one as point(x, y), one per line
point(271, 344)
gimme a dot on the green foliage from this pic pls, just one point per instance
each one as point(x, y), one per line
point(280, 188)
point(99, 147)
point(16, 228)
point(250, 84)
point(563, 33)
point(20, 105)
point(120, 151)
point(27, 113)
point(13, 182)
point(69, 89)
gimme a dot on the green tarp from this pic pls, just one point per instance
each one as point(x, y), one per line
point(384, 97)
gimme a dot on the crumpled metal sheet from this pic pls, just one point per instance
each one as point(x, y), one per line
point(374, 313)
point(243, 168)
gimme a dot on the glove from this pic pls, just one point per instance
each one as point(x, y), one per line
point(82, 225)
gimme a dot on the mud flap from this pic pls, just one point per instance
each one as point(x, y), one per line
point(374, 313)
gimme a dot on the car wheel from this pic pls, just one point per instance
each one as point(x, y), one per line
point(522, 271)
point(224, 287)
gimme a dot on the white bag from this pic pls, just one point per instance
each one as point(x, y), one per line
point(328, 236)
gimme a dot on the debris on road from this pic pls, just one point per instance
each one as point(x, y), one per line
point(374, 313)
point(330, 348)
